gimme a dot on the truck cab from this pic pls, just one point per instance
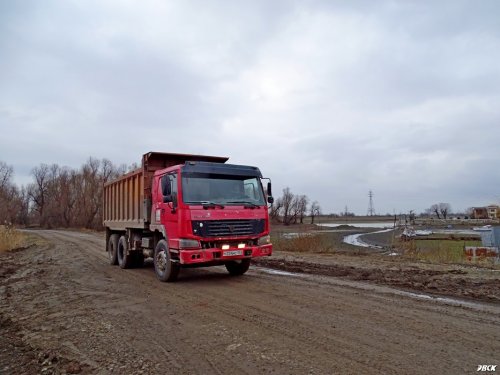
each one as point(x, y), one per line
point(211, 213)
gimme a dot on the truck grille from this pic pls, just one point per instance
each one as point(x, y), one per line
point(220, 228)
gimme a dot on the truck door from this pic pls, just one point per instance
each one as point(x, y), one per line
point(169, 211)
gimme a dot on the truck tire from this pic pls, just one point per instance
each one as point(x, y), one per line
point(112, 249)
point(125, 260)
point(165, 269)
point(238, 267)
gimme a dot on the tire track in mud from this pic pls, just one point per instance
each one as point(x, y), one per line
point(137, 275)
point(320, 343)
point(272, 324)
point(124, 308)
point(125, 321)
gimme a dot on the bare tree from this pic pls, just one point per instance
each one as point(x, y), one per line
point(276, 208)
point(37, 191)
point(90, 194)
point(109, 171)
point(290, 208)
point(6, 172)
point(294, 212)
point(442, 210)
point(297, 208)
point(302, 202)
point(314, 210)
point(287, 203)
point(66, 196)
point(435, 208)
point(23, 206)
point(445, 209)
point(13, 202)
point(88, 185)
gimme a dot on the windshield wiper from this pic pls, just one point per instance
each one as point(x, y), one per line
point(207, 204)
point(246, 203)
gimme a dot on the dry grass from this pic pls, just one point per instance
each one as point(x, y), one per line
point(302, 243)
point(10, 238)
point(437, 251)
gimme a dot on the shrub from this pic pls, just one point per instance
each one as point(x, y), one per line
point(10, 238)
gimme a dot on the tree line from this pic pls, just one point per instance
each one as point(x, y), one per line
point(62, 197)
point(292, 208)
point(59, 197)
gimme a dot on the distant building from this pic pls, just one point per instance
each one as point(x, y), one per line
point(491, 212)
point(479, 213)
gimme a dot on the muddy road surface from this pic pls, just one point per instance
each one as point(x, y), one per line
point(63, 309)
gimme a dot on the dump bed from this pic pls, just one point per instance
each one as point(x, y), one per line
point(127, 200)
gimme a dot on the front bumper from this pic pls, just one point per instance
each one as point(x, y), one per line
point(218, 255)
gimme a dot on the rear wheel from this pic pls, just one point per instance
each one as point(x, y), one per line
point(165, 269)
point(238, 267)
point(125, 259)
point(112, 249)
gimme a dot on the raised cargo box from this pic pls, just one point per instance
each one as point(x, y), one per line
point(127, 200)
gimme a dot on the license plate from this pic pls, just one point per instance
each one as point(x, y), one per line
point(232, 253)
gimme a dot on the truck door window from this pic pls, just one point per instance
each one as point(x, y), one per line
point(159, 190)
point(172, 179)
point(173, 184)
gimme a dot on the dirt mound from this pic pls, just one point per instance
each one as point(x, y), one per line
point(446, 282)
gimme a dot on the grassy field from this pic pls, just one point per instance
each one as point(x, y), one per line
point(307, 238)
point(10, 238)
point(438, 250)
point(442, 248)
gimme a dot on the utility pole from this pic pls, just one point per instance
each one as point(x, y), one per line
point(371, 209)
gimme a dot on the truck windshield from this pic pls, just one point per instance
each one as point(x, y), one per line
point(222, 189)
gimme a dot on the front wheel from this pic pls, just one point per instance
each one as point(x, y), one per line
point(165, 269)
point(238, 267)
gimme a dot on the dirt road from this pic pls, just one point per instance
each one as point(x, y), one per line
point(63, 309)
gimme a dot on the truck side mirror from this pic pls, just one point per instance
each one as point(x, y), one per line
point(270, 198)
point(168, 198)
point(166, 189)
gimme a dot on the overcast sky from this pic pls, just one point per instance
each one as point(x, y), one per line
point(330, 98)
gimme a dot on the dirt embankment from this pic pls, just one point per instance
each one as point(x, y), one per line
point(461, 281)
point(63, 309)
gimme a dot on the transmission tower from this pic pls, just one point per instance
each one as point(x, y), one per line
point(371, 210)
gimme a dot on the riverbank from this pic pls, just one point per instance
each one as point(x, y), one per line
point(386, 240)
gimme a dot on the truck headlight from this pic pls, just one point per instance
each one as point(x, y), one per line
point(265, 240)
point(185, 243)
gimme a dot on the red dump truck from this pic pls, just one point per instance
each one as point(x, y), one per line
point(187, 211)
